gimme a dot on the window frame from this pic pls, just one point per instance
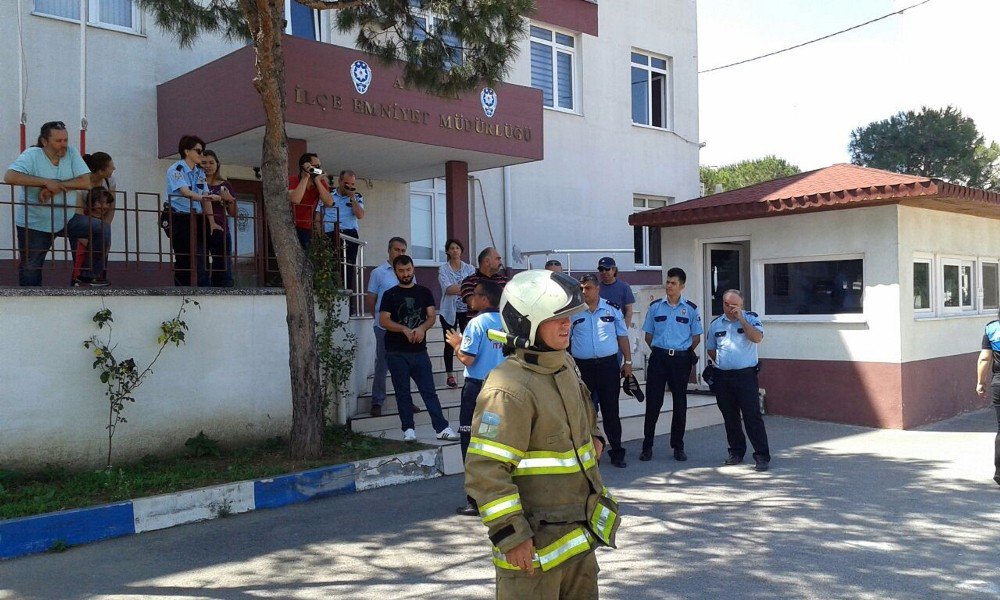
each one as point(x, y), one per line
point(982, 261)
point(645, 199)
point(668, 92)
point(431, 19)
point(932, 293)
point(437, 193)
point(760, 293)
point(555, 48)
point(959, 261)
point(94, 18)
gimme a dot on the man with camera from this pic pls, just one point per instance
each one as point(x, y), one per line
point(346, 206)
point(306, 190)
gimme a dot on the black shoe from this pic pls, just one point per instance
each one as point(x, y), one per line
point(416, 409)
point(733, 460)
point(376, 410)
point(646, 454)
point(679, 455)
point(618, 462)
point(762, 465)
point(467, 511)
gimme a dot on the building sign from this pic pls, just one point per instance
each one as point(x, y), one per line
point(361, 75)
point(488, 98)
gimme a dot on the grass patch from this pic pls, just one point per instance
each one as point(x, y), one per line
point(55, 488)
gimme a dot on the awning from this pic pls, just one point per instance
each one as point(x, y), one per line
point(354, 112)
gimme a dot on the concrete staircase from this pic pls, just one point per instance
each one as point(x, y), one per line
point(702, 411)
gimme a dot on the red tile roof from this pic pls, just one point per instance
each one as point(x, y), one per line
point(839, 186)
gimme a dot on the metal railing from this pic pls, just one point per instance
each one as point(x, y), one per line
point(139, 253)
point(569, 253)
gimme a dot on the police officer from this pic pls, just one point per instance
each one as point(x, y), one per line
point(988, 372)
point(597, 335)
point(673, 331)
point(731, 342)
point(532, 462)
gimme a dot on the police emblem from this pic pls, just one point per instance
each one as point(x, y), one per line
point(488, 98)
point(361, 75)
point(489, 426)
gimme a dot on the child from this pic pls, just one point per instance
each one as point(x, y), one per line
point(480, 355)
point(99, 203)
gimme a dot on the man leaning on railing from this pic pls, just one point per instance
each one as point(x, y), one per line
point(46, 172)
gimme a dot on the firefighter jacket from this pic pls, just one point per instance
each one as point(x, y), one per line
point(531, 465)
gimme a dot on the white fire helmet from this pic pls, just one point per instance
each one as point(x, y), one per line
point(531, 297)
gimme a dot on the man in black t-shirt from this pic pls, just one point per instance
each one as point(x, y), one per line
point(407, 313)
point(988, 374)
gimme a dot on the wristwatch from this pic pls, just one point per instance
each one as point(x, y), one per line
point(628, 362)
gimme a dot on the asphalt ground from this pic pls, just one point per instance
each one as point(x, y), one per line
point(845, 512)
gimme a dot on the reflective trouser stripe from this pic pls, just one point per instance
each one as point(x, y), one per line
point(500, 507)
point(496, 451)
point(575, 542)
point(542, 462)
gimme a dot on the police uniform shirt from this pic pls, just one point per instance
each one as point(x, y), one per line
point(672, 327)
point(476, 342)
point(342, 206)
point(595, 334)
point(193, 178)
point(733, 349)
point(991, 341)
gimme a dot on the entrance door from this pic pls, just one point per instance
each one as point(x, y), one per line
point(726, 269)
point(250, 236)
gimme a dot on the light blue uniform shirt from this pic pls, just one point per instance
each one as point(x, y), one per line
point(383, 279)
point(673, 326)
point(347, 218)
point(595, 334)
point(53, 215)
point(476, 342)
point(193, 178)
point(733, 349)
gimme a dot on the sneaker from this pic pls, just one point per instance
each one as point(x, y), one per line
point(376, 410)
point(80, 282)
point(447, 434)
point(469, 510)
point(416, 409)
point(451, 382)
point(99, 282)
point(410, 436)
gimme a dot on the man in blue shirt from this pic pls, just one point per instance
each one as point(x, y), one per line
point(988, 375)
point(731, 342)
point(673, 331)
point(614, 290)
point(597, 335)
point(47, 172)
point(347, 206)
point(480, 355)
point(383, 278)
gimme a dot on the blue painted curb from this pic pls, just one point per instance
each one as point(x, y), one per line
point(40, 533)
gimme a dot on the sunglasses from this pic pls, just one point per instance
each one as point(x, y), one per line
point(603, 269)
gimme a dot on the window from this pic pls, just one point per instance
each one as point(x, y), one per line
point(553, 55)
point(956, 284)
point(115, 14)
point(814, 287)
point(429, 22)
point(651, 90)
point(428, 221)
point(991, 285)
point(922, 284)
point(647, 239)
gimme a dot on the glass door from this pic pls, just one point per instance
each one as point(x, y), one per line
point(724, 266)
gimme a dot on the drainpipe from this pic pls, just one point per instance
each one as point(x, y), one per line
point(83, 76)
point(508, 236)
point(20, 78)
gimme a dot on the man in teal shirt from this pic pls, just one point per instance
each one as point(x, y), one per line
point(46, 173)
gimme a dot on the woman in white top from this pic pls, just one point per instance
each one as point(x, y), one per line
point(454, 312)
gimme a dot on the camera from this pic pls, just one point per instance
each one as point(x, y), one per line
point(314, 170)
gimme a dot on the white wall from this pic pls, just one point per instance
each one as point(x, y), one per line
point(867, 231)
point(230, 379)
point(937, 233)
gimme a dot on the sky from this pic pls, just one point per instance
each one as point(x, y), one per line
point(802, 105)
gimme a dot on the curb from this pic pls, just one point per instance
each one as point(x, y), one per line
point(59, 530)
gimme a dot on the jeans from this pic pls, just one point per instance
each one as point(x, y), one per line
point(378, 379)
point(220, 246)
point(461, 320)
point(305, 236)
point(736, 395)
point(602, 377)
point(404, 366)
point(185, 229)
point(673, 372)
point(33, 245)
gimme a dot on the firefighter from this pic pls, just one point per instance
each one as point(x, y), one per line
point(532, 460)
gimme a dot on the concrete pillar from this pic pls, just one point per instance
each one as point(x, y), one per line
point(456, 178)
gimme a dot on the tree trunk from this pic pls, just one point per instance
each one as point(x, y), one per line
point(266, 20)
